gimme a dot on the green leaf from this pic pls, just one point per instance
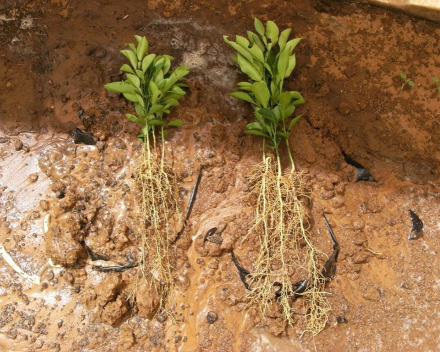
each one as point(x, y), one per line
point(179, 91)
point(289, 110)
point(285, 135)
point(295, 95)
point(435, 79)
point(119, 87)
point(411, 83)
point(254, 39)
point(283, 38)
point(239, 49)
point(245, 86)
point(131, 57)
point(261, 93)
point(140, 100)
point(138, 38)
point(260, 119)
point(259, 26)
point(242, 41)
point(257, 133)
point(257, 53)
point(243, 96)
point(402, 75)
point(177, 75)
point(131, 97)
point(291, 44)
point(284, 100)
point(282, 65)
point(166, 65)
point(155, 108)
point(253, 126)
point(269, 114)
point(141, 137)
point(140, 74)
point(134, 80)
point(171, 102)
point(139, 110)
point(272, 32)
point(158, 76)
point(142, 48)
point(269, 69)
point(156, 122)
point(290, 66)
point(175, 123)
point(299, 101)
point(126, 68)
point(155, 92)
point(294, 121)
point(131, 117)
point(133, 48)
point(248, 68)
point(146, 62)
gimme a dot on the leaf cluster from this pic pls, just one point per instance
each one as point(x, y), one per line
point(267, 58)
point(150, 85)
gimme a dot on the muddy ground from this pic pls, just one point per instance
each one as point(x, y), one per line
point(55, 57)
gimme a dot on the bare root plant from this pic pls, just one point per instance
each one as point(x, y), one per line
point(281, 219)
point(154, 90)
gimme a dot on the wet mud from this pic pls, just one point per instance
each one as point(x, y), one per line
point(55, 57)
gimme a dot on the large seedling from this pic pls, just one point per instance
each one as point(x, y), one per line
point(286, 250)
point(154, 90)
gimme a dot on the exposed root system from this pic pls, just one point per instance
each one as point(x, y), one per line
point(161, 215)
point(286, 252)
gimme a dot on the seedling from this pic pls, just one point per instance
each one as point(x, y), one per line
point(437, 83)
point(267, 58)
point(406, 80)
point(154, 90)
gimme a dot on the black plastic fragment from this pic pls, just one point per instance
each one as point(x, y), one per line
point(241, 271)
point(192, 198)
point(329, 270)
point(82, 137)
point(362, 173)
point(417, 226)
point(298, 288)
point(94, 256)
point(209, 233)
point(341, 320)
point(114, 268)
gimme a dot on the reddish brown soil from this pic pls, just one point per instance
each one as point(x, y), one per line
point(56, 56)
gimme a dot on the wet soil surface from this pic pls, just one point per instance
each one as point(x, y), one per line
point(55, 57)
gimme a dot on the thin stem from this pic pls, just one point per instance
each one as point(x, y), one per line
point(290, 156)
point(163, 148)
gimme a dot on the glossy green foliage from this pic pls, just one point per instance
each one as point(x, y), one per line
point(267, 58)
point(150, 85)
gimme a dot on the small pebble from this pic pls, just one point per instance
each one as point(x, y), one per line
point(33, 177)
point(211, 317)
point(18, 144)
point(161, 318)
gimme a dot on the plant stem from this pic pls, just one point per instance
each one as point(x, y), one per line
point(290, 156)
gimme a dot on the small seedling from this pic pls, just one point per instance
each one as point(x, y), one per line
point(267, 58)
point(437, 83)
point(406, 80)
point(154, 89)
